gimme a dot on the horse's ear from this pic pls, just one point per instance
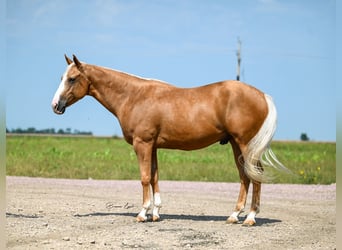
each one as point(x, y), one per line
point(77, 62)
point(68, 60)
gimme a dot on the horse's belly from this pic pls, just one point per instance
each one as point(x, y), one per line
point(189, 142)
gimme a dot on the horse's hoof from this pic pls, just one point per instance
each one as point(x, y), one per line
point(232, 220)
point(141, 219)
point(248, 223)
point(155, 218)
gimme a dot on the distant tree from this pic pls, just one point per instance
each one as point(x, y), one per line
point(30, 130)
point(304, 137)
point(17, 130)
point(60, 131)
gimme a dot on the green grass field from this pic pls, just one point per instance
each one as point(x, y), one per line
point(108, 158)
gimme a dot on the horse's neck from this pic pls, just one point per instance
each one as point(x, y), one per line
point(111, 88)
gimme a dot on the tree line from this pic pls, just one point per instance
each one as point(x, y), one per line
point(68, 131)
point(60, 131)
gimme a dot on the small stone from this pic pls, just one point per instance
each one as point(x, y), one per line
point(66, 238)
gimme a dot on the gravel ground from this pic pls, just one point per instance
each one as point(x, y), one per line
point(90, 214)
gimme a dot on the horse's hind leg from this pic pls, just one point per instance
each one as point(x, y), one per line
point(238, 150)
point(244, 184)
point(255, 206)
point(155, 186)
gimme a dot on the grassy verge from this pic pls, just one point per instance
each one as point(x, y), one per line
point(107, 158)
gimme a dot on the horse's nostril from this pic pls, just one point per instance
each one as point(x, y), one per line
point(62, 110)
point(59, 108)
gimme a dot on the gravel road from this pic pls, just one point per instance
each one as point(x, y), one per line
point(90, 214)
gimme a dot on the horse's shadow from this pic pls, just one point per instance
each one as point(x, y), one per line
point(259, 221)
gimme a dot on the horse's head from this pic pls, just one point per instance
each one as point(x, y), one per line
point(74, 86)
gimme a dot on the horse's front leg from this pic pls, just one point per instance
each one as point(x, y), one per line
point(144, 154)
point(155, 186)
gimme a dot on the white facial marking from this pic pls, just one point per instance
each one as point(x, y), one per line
point(57, 94)
point(60, 89)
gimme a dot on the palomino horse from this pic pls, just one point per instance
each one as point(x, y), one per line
point(154, 114)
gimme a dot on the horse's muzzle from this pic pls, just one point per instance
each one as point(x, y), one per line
point(59, 108)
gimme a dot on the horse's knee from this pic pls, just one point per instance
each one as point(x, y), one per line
point(145, 180)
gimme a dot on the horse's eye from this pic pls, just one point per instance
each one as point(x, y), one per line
point(72, 80)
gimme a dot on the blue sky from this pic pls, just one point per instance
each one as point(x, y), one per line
point(288, 51)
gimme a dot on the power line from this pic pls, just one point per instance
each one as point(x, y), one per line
point(238, 54)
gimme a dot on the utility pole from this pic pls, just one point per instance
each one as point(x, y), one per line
point(238, 54)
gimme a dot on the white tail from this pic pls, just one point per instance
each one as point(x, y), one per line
point(258, 149)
